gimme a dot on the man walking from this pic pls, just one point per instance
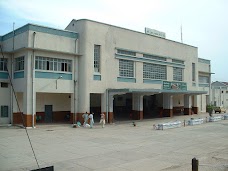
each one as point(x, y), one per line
point(85, 116)
point(102, 120)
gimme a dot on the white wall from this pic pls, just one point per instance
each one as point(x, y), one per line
point(60, 102)
point(52, 42)
point(110, 37)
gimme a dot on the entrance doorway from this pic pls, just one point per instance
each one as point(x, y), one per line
point(150, 107)
point(48, 113)
point(95, 106)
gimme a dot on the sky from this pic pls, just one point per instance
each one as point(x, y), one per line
point(204, 22)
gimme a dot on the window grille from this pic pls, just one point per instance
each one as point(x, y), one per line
point(126, 68)
point(178, 61)
point(178, 74)
point(154, 71)
point(154, 57)
point(97, 58)
point(193, 72)
point(126, 52)
point(203, 79)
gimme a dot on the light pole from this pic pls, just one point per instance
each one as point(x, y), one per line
point(60, 77)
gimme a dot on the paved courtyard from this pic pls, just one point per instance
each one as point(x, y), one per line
point(117, 147)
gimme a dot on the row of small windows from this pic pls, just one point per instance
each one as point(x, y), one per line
point(150, 71)
point(53, 64)
point(178, 61)
point(41, 63)
point(126, 52)
point(154, 57)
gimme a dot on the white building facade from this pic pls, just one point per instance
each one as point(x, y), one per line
point(58, 75)
point(220, 94)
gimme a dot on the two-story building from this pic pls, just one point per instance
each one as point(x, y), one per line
point(90, 66)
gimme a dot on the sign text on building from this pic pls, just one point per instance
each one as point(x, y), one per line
point(167, 85)
point(154, 32)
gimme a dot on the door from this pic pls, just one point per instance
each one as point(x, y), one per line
point(48, 113)
point(4, 115)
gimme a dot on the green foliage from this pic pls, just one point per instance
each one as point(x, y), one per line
point(210, 108)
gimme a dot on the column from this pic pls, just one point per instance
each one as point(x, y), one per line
point(187, 104)
point(27, 107)
point(73, 110)
point(28, 94)
point(104, 103)
point(110, 108)
point(167, 105)
point(137, 106)
point(195, 105)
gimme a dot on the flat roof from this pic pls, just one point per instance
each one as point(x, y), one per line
point(132, 31)
point(39, 28)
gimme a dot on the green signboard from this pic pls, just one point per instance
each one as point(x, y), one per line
point(171, 85)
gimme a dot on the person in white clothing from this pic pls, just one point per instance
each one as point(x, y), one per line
point(91, 120)
point(102, 120)
point(85, 116)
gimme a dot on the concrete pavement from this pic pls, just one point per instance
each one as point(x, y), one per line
point(118, 146)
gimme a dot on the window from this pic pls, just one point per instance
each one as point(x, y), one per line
point(193, 72)
point(97, 58)
point(154, 57)
point(203, 79)
point(4, 85)
point(125, 52)
point(3, 64)
point(19, 63)
point(178, 74)
point(53, 64)
point(126, 68)
point(178, 61)
point(4, 111)
point(154, 71)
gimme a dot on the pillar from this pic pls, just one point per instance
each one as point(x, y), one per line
point(137, 106)
point(195, 105)
point(187, 104)
point(110, 108)
point(167, 105)
point(104, 104)
point(73, 110)
point(28, 94)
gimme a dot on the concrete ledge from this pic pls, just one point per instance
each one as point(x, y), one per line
point(195, 121)
point(168, 125)
point(226, 117)
point(215, 118)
